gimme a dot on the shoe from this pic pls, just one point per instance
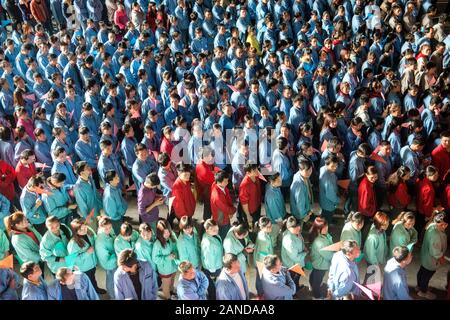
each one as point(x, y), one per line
point(101, 291)
point(427, 295)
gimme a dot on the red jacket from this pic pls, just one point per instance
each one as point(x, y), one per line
point(205, 178)
point(166, 146)
point(425, 197)
point(400, 198)
point(250, 193)
point(446, 198)
point(24, 173)
point(7, 185)
point(367, 200)
point(441, 160)
point(221, 202)
point(184, 202)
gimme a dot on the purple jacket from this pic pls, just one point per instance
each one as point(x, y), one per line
point(146, 197)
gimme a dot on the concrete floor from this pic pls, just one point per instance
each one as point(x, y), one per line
point(438, 282)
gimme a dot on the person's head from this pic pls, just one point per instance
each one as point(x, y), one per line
point(106, 147)
point(319, 228)
point(441, 221)
point(431, 173)
point(445, 140)
point(385, 148)
point(222, 178)
point(417, 144)
point(371, 174)
point(364, 150)
point(126, 231)
point(31, 271)
point(27, 156)
point(16, 222)
point(332, 163)
point(272, 263)
point(231, 263)
point(187, 225)
point(145, 231)
point(356, 219)
point(251, 169)
point(82, 170)
point(211, 227)
point(407, 218)
point(152, 181)
point(127, 260)
point(53, 225)
point(187, 270)
point(35, 183)
point(240, 231)
point(293, 225)
point(65, 276)
point(350, 249)
point(163, 231)
point(381, 221)
point(112, 178)
point(184, 172)
point(402, 255)
point(60, 154)
point(105, 224)
point(275, 180)
point(305, 167)
point(79, 227)
point(265, 225)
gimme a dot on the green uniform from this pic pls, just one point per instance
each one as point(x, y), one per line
point(350, 233)
point(321, 259)
point(104, 249)
point(84, 261)
point(232, 245)
point(400, 236)
point(26, 248)
point(53, 248)
point(292, 250)
point(433, 248)
point(121, 244)
point(263, 246)
point(4, 244)
point(161, 256)
point(375, 247)
point(212, 252)
point(144, 249)
point(189, 248)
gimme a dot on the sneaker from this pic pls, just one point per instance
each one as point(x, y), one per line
point(427, 295)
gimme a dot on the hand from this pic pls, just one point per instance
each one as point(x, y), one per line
point(73, 206)
point(12, 283)
point(328, 297)
point(159, 201)
point(38, 203)
point(249, 250)
point(172, 256)
point(62, 260)
point(442, 260)
point(90, 250)
point(102, 212)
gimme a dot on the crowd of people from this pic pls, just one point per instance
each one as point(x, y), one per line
point(269, 113)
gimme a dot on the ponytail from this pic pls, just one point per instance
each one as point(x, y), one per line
point(355, 216)
point(290, 222)
point(428, 172)
point(403, 217)
point(12, 221)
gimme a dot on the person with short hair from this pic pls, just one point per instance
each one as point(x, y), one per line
point(395, 284)
point(34, 286)
point(192, 284)
point(149, 198)
point(71, 285)
point(114, 204)
point(276, 280)
point(250, 195)
point(32, 205)
point(134, 279)
point(344, 272)
point(184, 203)
point(221, 202)
point(231, 284)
